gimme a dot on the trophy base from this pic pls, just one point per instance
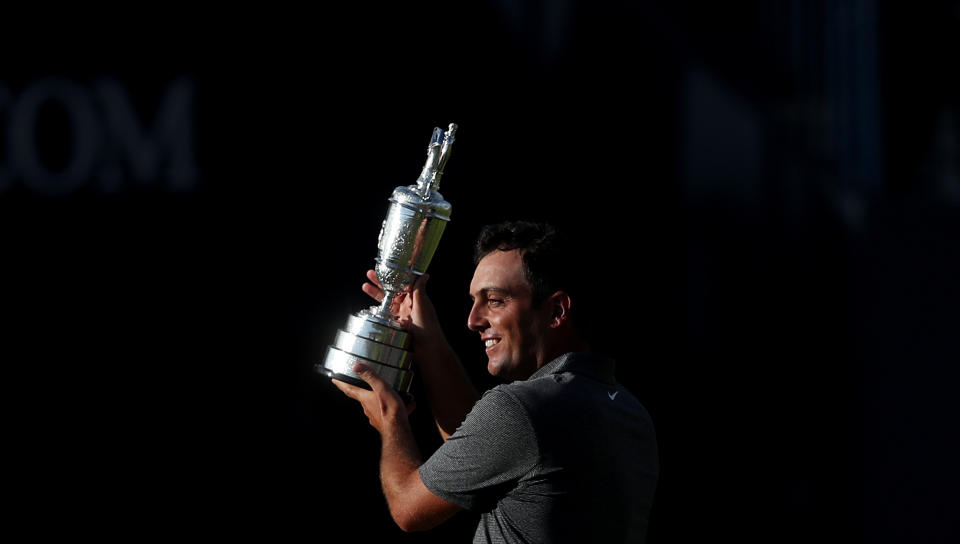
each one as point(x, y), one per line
point(405, 395)
point(343, 378)
point(378, 343)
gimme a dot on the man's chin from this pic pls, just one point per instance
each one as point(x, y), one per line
point(508, 374)
point(495, 368)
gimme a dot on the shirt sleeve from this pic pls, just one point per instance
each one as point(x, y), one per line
point(488, 454)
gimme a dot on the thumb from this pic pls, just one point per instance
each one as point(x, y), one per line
point(426, 315)
point(366, 373)
point(420, 289)
point(421, 282)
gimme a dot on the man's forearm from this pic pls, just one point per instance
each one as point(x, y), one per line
point(449, 390)
point(399, 460)
point(412, 506)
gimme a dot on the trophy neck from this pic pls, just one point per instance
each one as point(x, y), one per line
point(381, 314)
point(383, 310)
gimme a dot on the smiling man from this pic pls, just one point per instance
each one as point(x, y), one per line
point(520, 334)
point(561, 453)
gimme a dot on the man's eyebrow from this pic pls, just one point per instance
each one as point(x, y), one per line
point(487, 290)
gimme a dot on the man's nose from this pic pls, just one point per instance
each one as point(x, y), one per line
point(476, 321)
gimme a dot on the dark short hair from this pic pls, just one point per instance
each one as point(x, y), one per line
point(541, 249)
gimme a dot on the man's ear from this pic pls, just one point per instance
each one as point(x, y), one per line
point(559, 305)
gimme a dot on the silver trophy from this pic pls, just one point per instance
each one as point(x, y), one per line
point(408, 239)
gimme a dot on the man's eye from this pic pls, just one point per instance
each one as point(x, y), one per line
point(495, 301)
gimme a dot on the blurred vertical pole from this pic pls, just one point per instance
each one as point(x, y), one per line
point(828, 137)
point(835, 58)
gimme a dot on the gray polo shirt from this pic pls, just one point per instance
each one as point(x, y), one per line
point(567, 455)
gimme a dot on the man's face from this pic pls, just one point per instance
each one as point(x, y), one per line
point(503, 313)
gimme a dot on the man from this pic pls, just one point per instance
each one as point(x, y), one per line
point(562, 453)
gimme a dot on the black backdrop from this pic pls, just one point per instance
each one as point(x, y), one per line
point(794, 342)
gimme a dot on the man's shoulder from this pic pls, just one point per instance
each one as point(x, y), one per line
point(498, 405)
point(544, 387)
point(519, 400)
point(572, 375)
point(539, 397)
point(571, 392)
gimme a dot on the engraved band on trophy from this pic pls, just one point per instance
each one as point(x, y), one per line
point(408, 239)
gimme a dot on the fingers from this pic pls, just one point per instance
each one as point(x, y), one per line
point(381, 402)
point(373, 287)
point(365, 373)
point(373, 291)
point(351, 391)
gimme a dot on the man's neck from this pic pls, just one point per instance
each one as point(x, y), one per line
point(562, 346)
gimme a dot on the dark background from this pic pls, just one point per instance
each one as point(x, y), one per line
point(767, 193)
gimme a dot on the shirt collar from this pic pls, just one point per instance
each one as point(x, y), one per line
point(587, 364)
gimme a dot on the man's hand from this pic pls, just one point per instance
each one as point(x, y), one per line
point(413, 309)
point(382, 405)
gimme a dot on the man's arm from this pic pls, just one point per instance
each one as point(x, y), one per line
point(449, 391)
point(412, 505)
